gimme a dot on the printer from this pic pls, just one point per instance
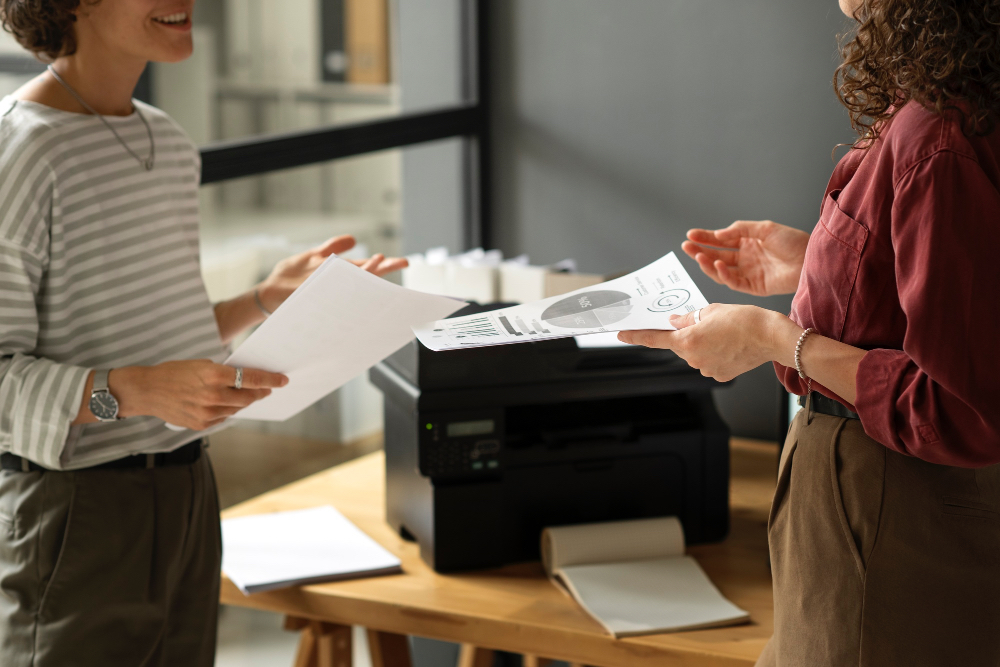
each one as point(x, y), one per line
point(485, 447)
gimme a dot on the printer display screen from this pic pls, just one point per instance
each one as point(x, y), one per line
point(480, 427)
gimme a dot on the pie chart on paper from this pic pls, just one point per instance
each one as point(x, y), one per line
point(589, 310)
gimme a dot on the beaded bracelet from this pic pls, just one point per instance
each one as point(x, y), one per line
point(798, 356)
point(798, 351)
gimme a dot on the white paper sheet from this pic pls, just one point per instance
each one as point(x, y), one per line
point(338, 323)
point(599, 341)
point(644, 299)
point(269, 551)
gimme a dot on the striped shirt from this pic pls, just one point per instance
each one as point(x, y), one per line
point(99, 268)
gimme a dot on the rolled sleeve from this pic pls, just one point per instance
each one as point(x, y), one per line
point(39, 398)
point(938, 398)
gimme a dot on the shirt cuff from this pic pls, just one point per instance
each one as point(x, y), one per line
point(876, 398)
point(43, 437)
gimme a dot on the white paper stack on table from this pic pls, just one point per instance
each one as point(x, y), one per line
point(633, 577)
point(644, 299)
point(269, 551)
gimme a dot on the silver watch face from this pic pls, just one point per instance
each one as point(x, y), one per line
point(104, 406)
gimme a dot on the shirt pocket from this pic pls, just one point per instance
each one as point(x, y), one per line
point(834, 255)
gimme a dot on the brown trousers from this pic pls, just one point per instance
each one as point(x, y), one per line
point(880, 559)
point(109, 568)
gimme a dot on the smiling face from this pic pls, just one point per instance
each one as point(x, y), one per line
point(151, 30)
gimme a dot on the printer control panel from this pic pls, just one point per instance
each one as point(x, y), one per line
point(461, 445)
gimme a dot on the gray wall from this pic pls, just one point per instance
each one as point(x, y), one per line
point(619, 124)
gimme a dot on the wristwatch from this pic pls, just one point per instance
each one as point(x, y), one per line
point(103, 404)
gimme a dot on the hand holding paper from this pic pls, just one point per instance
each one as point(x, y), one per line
point(644, 299)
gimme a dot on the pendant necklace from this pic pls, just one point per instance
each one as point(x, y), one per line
point(148, 162)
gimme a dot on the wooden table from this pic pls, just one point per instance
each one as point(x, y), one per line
point(514, 608)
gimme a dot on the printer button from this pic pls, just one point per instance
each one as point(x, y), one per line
point(487, 447)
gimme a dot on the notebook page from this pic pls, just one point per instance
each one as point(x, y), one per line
point(642, 597)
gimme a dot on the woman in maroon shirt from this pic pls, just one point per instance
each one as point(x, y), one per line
point(885, 527)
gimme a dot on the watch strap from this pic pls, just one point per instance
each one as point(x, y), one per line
point(101, 380)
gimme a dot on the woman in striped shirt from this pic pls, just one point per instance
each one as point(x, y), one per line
point(109, 535)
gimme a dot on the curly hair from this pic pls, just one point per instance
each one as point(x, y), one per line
point(943, 54)
point(44, 27)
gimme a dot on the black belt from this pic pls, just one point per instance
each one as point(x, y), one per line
point(184, 455)
point(827, 406)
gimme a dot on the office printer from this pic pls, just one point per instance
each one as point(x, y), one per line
point(485, 447)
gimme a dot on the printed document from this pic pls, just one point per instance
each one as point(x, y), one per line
point(644, 299)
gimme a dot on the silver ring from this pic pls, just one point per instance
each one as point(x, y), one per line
point(239, 378)
point(697, 316)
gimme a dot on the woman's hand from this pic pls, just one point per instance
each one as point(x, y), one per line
point(293, 271)
point(236, 315)
point(729, 341)
point(193, 394)
point(756, 257)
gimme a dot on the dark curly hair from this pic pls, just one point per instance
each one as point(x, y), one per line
point(943, 54)
point(44, 27)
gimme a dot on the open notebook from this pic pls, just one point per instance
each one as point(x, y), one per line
point(268, 551)
point(633, 577)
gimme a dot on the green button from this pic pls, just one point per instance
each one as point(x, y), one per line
point(430, 426)
point(478, 465)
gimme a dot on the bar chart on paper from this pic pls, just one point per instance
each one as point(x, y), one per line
point(472, 328)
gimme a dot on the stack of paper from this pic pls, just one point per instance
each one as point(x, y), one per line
point(633, 577)
point(269, 551)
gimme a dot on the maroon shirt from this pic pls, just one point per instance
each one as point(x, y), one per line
point(905, 263)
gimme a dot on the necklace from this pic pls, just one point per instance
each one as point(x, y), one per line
point(148, 162)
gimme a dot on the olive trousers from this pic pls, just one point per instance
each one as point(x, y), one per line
point(109, 567)
point(880, 559)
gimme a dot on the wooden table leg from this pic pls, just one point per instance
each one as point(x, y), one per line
point(305, 654)
point(474, 656)
point(388, 649)
point(321, 644)
point(535, 661)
